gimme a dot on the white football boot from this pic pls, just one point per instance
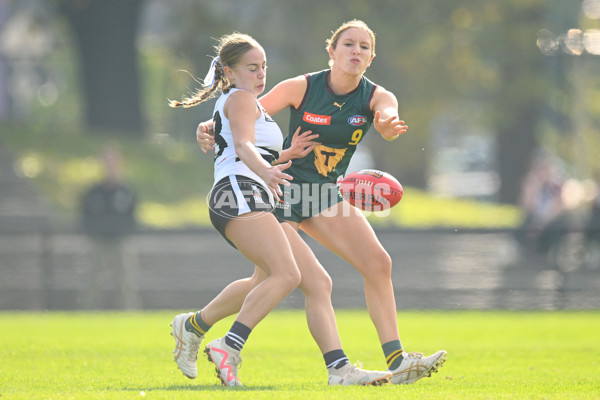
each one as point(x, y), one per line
point(352, 375)
point(226, 360)
point(415, 366)
point(187, 345)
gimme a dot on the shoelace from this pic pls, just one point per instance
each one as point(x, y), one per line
point(355, 370)
point(414, 354)
point(235, 362)
point(194, 348)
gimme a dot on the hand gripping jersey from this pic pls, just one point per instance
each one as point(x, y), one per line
point(341, 122)
point(268, 141)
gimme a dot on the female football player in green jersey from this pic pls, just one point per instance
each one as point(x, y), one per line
point(339, 104)
point(246, 183)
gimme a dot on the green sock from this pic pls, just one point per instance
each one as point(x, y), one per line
point(393, 353)
point(197, 325)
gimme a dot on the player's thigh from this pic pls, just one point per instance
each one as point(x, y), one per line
point(261, 239)
point(314, 276)
point(348, 234)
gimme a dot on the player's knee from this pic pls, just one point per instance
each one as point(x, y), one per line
point(380, 265)
point(257, 278)
point(290, 278)
point(316, 284)
point(325, 284)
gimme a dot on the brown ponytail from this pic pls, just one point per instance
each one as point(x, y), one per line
point(230, 50)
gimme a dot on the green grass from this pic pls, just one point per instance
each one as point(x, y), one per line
point(492, 355)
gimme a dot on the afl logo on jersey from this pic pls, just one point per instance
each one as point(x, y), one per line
point(357, 120)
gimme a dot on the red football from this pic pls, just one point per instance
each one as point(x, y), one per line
point(371, 190)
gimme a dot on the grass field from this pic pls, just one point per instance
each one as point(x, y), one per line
point(491, 355)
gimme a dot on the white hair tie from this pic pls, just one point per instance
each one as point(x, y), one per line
point(209, 79)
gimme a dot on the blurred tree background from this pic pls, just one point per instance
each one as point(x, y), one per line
point(482, 85)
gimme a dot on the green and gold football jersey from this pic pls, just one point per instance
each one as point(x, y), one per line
point(341, 122)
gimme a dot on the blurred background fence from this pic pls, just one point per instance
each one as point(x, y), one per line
point(499, 97)
point(184, 269)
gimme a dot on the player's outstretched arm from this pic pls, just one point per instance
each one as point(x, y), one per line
point(386, 121)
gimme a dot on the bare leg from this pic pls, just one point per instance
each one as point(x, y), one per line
point(262, 241)
point(230, 300)
point(346, 232)
point(316, 287)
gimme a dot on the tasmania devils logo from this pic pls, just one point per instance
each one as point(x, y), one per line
point(357, 120)
point(316, 119)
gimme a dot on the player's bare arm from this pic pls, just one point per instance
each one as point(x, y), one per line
point(302, 144)
point(242, 127)
point(205, 136)
point(386, 121)
point(285, 94)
